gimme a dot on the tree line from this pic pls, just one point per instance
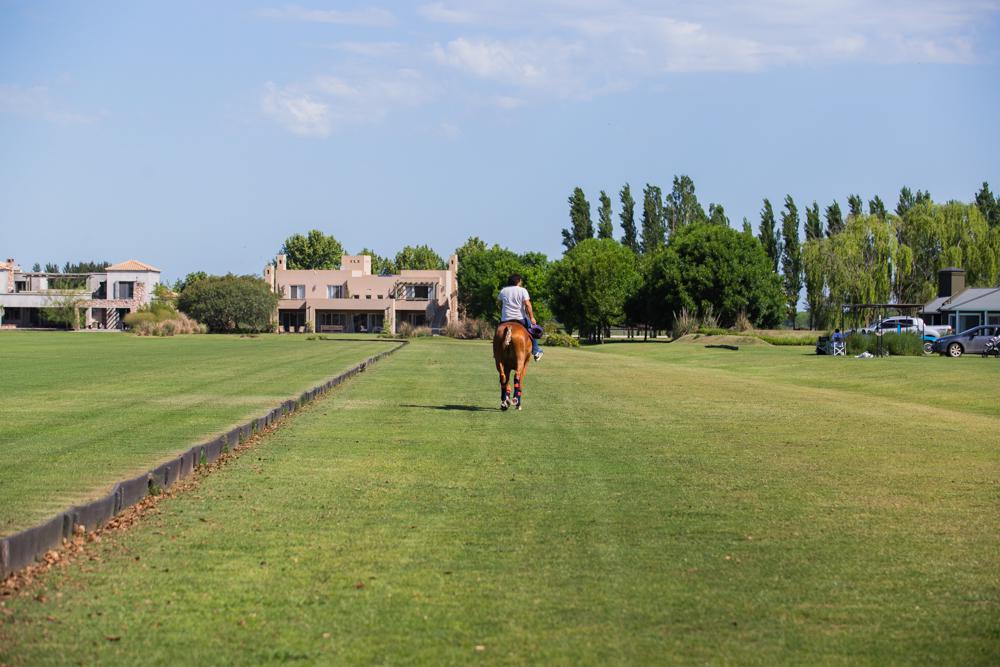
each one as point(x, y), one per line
point(672, 258)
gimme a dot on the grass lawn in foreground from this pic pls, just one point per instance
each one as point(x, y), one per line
point(81, 411)
point(652, 504)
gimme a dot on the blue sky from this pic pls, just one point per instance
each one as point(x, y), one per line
point(197, 135)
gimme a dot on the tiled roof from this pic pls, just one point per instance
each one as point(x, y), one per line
point(132, 265)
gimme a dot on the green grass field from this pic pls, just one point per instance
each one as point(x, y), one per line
point(652, 504)
point(83, 411)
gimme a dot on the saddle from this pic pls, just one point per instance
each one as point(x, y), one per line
point(535, 330)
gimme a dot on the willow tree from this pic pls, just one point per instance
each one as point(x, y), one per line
point(935, 236)
point(862, 260)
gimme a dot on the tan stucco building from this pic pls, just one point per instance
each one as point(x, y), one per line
point(105, 297)
point(351, 299)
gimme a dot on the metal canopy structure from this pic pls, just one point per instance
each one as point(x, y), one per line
point(878, 312)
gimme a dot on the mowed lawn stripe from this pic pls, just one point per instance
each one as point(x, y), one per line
point(628, 515)
point(83, 411)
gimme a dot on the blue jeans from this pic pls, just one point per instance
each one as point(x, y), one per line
point(534, 341)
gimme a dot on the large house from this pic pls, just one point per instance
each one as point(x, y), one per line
point(351, 299)
point(960, 306)
point(105, 297)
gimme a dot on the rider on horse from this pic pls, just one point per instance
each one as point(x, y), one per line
point(515, 306)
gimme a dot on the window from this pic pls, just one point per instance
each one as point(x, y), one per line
point(418, 292)
point(12, 314)
point(968, 321)
point(298, 292)
point(20, 285)
point(334, 291)
point(368, 296)
point(328, 319)
point(993, 318)
point(125, 290)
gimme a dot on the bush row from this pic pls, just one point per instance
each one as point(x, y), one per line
point(896, 344)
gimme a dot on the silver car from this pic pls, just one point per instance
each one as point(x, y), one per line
point(971, 341)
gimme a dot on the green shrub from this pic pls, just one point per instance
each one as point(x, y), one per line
point(683, 324)
point(179, 324)
point(561, 340)
point(783, 340)
point(230, 304)
point(133, 320)
point(468, 329)
point(896, 344)
point(407, 330)
point(714, 331)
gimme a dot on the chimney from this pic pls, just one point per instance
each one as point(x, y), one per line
point(951, 281)
point(282, 262)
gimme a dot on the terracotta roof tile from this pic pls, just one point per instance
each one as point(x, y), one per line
point(132, 265)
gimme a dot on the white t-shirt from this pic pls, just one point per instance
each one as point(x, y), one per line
point(512, 300)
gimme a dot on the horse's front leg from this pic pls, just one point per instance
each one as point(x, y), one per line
point(504, 393)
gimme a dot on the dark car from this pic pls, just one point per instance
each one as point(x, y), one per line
point(971, 341)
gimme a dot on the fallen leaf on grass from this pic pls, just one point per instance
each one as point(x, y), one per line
point(359, 585)
point(113, 638)
point(480, 648)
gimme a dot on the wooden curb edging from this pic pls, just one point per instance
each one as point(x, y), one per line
point(22, 549)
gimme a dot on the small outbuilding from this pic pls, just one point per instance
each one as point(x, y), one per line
point(959, 306)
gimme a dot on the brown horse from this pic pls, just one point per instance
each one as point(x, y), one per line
point(511, 352)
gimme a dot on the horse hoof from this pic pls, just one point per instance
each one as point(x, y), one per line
point(519, 407)
point(504, 404)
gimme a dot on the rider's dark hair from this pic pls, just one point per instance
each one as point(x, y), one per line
point(514, 279)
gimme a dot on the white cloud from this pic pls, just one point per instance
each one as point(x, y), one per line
point(521, 52)
point(371, 17)
point(325, 104)
point(490, 60)
point(296, 111)
point(37, 102)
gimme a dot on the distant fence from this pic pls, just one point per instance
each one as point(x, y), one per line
point(21, 549)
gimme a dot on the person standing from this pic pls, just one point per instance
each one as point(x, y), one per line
point(515, 306)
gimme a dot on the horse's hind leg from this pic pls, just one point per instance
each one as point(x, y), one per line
point(518, 381)
point(504, 393)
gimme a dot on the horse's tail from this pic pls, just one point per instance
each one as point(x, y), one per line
point(506, 338)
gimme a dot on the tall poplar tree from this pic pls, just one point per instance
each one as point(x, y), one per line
point(814, 227)
point(769, 235)
point(682, 207)
point(905, 202)
point(630, 238)
point(988, 205)
point(605, 228)
point(908, 199)
point(791, 257)
point(581, 226)
point(717, 215)
point(653, 229)
point(855, 207)
point(834, 219)
point(876, 207)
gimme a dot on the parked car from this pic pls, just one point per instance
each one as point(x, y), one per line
point(971, 341)
point(907, 324)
